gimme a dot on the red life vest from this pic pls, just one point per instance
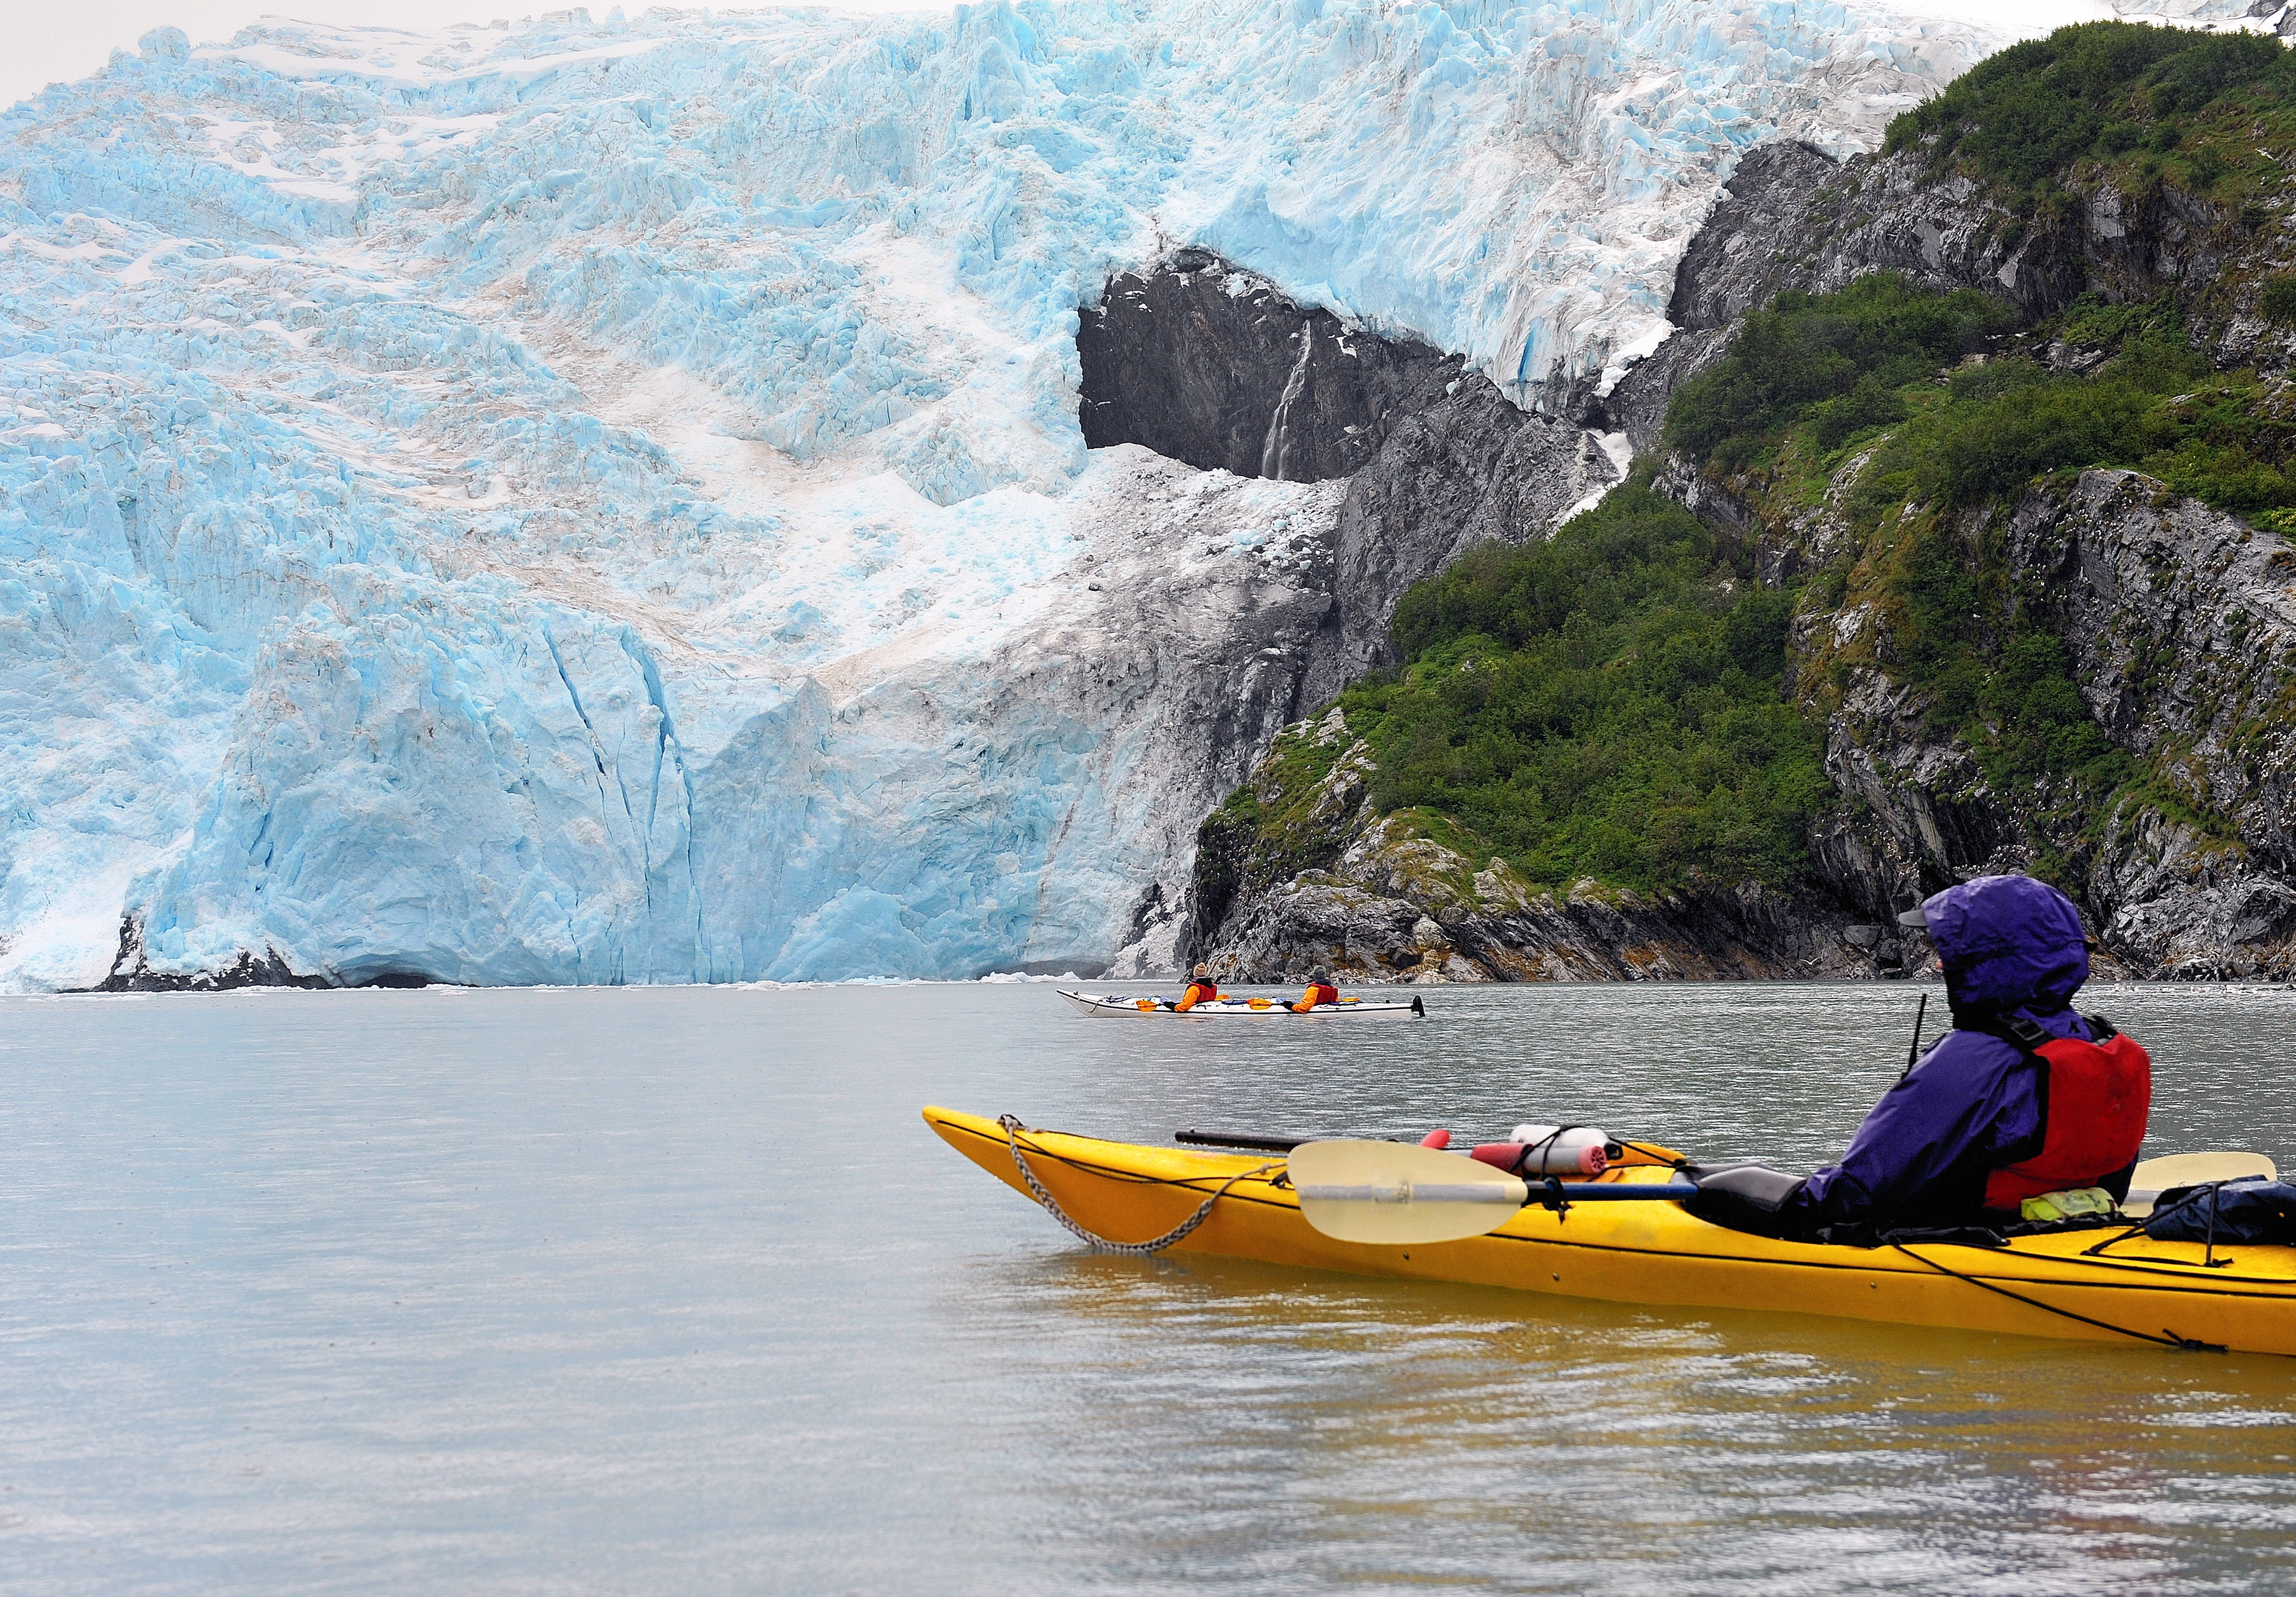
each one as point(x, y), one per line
point(1321, 992)
point(2095, 1098)
point(1201, 991)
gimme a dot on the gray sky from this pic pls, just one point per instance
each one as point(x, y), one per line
point(52, 40)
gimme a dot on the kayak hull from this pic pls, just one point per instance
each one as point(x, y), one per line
point(1116, 1005)
point(1658, 1254)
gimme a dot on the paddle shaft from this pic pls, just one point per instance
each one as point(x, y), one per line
point(1572, 1191)
point(1221, 1139)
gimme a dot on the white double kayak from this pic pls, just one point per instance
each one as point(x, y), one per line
point(1249, 1009)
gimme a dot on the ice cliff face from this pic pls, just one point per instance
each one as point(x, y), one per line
point(605, 502)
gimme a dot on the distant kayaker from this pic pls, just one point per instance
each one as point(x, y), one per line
point(2021, 1098)
point(1202, 990)
point(1320, 990)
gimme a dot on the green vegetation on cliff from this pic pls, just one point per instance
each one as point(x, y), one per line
point(1816, 378)
point(1617, 703)
point(2139, 102)
point(1836, 363)
point(1607, 703)
point(1928, 475)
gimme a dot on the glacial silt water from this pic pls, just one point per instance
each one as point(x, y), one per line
point(671, 1290)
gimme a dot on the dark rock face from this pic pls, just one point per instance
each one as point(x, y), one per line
point(1469, 468)
point(1754, 233)
point(1737, 259)
point(2182, 625)
point(1208, 365)
point(2182, 621)
point(132, 973)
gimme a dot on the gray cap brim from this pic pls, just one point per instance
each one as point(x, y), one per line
point(1916, 916)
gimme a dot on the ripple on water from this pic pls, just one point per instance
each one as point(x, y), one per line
point(582, 1290)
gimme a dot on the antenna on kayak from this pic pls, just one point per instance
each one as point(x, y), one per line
point(1914, 1049)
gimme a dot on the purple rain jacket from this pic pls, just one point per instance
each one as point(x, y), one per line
point(2010, 945)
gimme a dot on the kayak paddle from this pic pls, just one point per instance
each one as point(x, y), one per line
point(2156, 1176)
point(1364, 1192)
point(1630, 1152)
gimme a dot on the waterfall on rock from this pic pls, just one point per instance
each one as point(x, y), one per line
point(1272, 452)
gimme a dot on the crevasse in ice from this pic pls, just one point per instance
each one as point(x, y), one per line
point(601, 501)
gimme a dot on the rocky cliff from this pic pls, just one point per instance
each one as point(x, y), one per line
point(1207, 363)
point(1210, 365)
point(2179, 620)
point(1791, 218)
point(1214, 366)
point(2174, 618)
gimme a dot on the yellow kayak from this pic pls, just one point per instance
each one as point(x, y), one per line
point(1656, 1253)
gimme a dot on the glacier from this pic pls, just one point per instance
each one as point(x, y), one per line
point(602, 500)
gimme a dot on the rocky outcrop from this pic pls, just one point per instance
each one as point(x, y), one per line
point(1207, 363)
point(1469, 468)
point(1288, 882)
point(1735, 261)
point(1758, 229)
point(2181, 622)
point(1791, 219)
point(132, 973)
point(1920, 815)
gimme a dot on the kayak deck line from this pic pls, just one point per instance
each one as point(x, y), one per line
point(1657, 1253)
point(2167, 1338)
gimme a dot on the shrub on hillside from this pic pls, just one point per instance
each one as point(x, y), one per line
point(1609, 702)
point(1836, 359)
point(2097, 90)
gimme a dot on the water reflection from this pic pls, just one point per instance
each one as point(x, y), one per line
point(671, 1290)
point(1402, 1434)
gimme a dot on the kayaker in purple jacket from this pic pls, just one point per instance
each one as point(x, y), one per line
point(2013, 950)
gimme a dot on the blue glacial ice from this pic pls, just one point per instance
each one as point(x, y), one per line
point(601, 501)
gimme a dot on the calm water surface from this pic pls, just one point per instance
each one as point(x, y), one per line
point(671, 1290)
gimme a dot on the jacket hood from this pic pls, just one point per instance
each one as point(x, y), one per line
point(2008, 943)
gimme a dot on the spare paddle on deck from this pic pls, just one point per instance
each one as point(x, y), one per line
point(2156, 1176)
point(1224, 1139)
point(1363, 1192)
point(1633, 1154)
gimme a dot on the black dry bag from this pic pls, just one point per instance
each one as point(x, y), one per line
point(2251, 1210)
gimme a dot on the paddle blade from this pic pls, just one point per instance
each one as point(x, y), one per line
point(2190, 1169)
point(1365, 1192)
point(2156, 1176)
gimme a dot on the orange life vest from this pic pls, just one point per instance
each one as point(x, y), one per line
point(2095, 1099)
